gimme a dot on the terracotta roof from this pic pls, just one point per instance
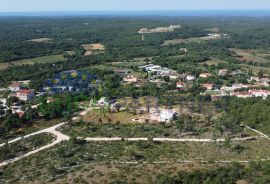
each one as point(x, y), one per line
point(20, 114)
point(25, 91)
point(15, 84)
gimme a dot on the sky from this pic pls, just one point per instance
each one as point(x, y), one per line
point(118, 5)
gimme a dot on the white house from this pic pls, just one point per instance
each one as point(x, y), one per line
point(260, 93)
point(190, 78)
point(180, 85)
point(15, 86)
point(205, 75)
point(223, 72)
point(165, 115)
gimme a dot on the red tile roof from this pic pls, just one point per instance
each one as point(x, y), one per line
point(15, 84)
point(20, 114)
point(25, 91)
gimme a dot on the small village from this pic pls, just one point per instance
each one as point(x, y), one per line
point(80, 82)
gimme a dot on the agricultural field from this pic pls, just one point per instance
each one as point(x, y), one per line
point(252, 56)
point(32, 61)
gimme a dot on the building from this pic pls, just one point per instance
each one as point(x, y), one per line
point(103, 102)
point(180, 85)
point(223, 72)
point(205, 75)
point(190, 78)
point(242, 94)
point(165, 115)
point(25, 94)
point(15, 86)
point(130, 78)
point(207, 86)
point(259, 93)
point(239, 86)
point(20, 113)
point(253, 78)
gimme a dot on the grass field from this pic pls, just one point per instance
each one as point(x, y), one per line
point(31, 61)
point(214, 61)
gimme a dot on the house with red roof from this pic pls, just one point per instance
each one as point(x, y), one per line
point(208, 86)
point(25, 94)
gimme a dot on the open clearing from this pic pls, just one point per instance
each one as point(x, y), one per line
point(42, 40)
point(245, 55)
point(159, 29)
point(190, 40)
point(93, 48)
point(31, 61)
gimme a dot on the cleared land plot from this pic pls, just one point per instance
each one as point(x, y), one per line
point(31, 61)
point(93, 48)
point(41, 40)
point(250, 56)
point(71, 157)
point(189, 40)
point(214, 61)
point(159, 29)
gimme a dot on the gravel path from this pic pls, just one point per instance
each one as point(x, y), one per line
point(60, 137)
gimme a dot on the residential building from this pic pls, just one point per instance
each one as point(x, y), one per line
point(15, 86)
point(180, 85)
point(205, 75)
point(207, 86)
point(223, 72)
point(259, 93)
point(25, 94)
point(242, 94)
point(190, 78)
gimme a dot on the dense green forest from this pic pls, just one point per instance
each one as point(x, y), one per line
point(120, 34)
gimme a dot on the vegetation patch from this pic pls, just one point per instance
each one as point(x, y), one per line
point(73, 157)
point(10, 151)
